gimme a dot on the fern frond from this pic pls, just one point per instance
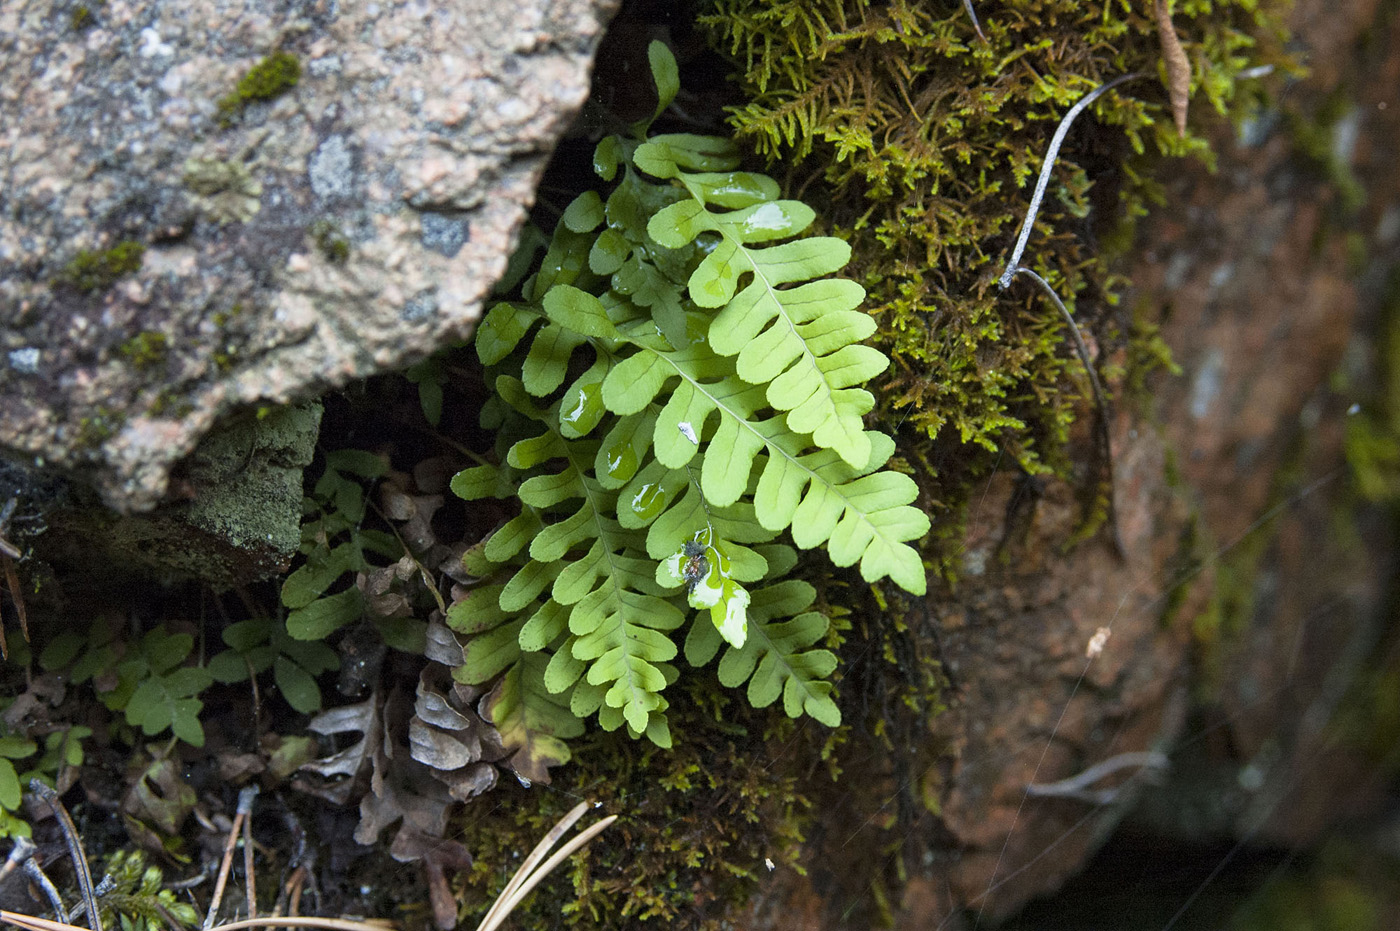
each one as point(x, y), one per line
point(776, 660)
point(802, 342)
point(866, 516)
point(680, 386)
point(591, 566)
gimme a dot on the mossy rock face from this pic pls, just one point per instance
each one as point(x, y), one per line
point(239, 520)
point(179, 169)
point(919, 141)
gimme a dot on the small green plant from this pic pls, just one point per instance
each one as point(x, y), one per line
point(270, 78)
point(56, 750)
point(259, 644)
point(135, 899)
point(91, 271)
point(681, 385)
point(335, 545)
point(147, 679)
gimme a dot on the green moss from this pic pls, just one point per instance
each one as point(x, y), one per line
point(1373, 433)
point(273, 76)
point(98, 427)
point(697, 824)
point(80, 18)
point(919, 142)
point(145, 350)
point(97, 270)
point(330, 241)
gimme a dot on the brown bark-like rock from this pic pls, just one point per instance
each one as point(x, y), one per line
point(1251, 271)
point(215, 204)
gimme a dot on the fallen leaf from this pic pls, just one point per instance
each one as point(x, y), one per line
point(338, 774)
point(159, 800)
point(450, 737)
point(437, 856)
point(1177, 64)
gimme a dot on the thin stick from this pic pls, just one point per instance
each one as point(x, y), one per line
point(75, 850)
point(224, 865)
point(1100, 401)
point(245, 806)
point(17, 596)
point(972, 14)
point(330, 924)
point(1055, 142)
point(1077, 785)
point(536, 855)
point(528, 886)
point(36, 874)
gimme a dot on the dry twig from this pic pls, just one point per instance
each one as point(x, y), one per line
point(1178, 65)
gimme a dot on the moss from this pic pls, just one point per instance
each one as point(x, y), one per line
point(91, 271)
point(918, 141)
point(80, 18)
point(98, 427)
point(145, 350)
point(270, 78)
point(330, 241)
point(697, 825)
point(1373, 432)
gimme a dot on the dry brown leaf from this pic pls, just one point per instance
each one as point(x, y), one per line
point(335, 777)
point(1177, 64)
point(157, 803)
point(437, 856)
point(450, 737)
point(443, 646)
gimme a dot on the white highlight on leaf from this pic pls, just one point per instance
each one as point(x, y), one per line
point(688, 432)
point(731, 615)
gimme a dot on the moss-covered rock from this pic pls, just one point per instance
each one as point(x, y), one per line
point(919, 141)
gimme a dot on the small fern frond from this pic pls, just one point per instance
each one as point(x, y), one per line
point(776, 660)
point(802, 342)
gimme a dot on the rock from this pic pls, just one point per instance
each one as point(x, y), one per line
point(232, 202)
point(1238, 463)
point(237, 520)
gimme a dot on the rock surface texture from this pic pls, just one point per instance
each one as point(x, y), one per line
point(1254, 272)
point(217, 204)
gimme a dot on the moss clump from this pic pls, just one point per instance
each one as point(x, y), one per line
point(98, 427)
point(330, 241)
point(696, 825)
point(91, 270)
point(918, 142)
point(145, 350)
point(273, 76)
point(80, 18)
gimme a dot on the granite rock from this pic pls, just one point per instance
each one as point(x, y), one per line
point(216, 204)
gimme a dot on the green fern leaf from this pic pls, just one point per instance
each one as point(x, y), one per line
point(815, 492)
point(775, 660)
point(803, 342)
point(681, 385)
point(532, 722)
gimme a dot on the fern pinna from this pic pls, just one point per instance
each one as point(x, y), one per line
point(713, 402)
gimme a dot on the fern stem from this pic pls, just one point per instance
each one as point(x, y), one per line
point(1051, 155)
